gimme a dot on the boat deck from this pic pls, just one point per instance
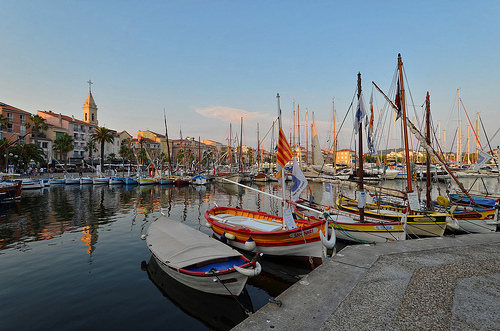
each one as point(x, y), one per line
point(248, 222)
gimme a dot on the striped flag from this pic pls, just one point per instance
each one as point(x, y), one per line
point(285, 153)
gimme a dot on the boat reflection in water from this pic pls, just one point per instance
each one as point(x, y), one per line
point(214, 311)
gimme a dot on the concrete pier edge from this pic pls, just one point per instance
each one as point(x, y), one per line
point(361, 279)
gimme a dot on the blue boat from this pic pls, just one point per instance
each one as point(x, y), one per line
point(130, 181)
point(480, 201)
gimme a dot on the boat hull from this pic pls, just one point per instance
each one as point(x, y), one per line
point(304, 242)
point(419, 224)
point(234, 282)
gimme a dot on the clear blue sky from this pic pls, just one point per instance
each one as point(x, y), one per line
point(207, 63)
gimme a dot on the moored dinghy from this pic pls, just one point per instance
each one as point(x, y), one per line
point(197, 260)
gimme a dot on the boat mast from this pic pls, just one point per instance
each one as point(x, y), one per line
point(229, 150)
point(283, 175)
point(360, 162)
point(307, 138)
point(405, 129)
point(199, 155)
point(298, 124)
point(168, 145)
point(428, 155)
point(241, 145)
point(334, 137)
point(258, 147)
point(459, 135)
point(293, 126)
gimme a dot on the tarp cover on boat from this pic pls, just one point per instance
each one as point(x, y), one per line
point(180, 245)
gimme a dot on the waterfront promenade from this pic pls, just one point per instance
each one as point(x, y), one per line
point(426, 284)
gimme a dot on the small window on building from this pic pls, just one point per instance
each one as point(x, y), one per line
point(92, 117)
point(22, 118)
point(22, 129)
point(10, 128)
point(45, 144)
point(86, 118)
point(10, 117)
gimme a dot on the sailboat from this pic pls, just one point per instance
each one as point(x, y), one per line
point(254, 231)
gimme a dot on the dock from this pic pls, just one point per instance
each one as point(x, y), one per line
point(438, 283)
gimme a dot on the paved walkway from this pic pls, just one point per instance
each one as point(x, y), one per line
point(425, 284)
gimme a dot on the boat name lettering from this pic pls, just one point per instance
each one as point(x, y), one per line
point(384, 227)
point(305, 233)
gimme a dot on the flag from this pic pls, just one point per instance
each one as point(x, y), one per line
point(371, 147)
point(482, 159)
point(299, 181)
point(285, 153)
point(397, 102)
point(327, 197)
point(360, 114)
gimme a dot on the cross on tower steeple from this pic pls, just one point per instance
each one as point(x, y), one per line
point(90, 85)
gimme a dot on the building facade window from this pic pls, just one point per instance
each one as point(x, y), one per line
point(22, 129)
point(10, 117)
point(22, 118)
point(10, 128)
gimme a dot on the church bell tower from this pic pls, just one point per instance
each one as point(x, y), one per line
point(90, 108)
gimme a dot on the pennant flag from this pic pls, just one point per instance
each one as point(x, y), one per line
point(285, 153)
point(482, 159)
point(397, 102)
point(371, 147)
point(299, 181)
point(327, 198)
point(360, 114)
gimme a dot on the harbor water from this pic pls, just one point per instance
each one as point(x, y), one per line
point(71, 257)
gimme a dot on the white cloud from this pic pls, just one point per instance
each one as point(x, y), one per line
point(233, 115)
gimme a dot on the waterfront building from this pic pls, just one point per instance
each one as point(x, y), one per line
point(159, 138)
point(16, 124)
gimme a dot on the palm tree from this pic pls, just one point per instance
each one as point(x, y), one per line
point(103, 135)
point(90, 148)
point(37, 124)
point(125, 153)
point(28, 153)
point(63, 144)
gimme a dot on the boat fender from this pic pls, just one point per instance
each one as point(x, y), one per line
point(143, 237)
point(250, 244)
point(223, 238)
point(230, 236)
point(249, 272)
point(328, 243)
point(208, 225)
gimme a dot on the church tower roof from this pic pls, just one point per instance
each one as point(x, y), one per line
point(90, 101)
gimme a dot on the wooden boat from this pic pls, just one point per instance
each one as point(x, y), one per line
point(166, 180)
point(146, 181)
point(420, 223)
point(216, 312)
point(260, 232)
point(86, 181)
point(57, 181)
point(71, 181)
point(100, 180)
point(116, 181)
point(478, 200)
point(197, 260)
point(260, 177)
point(199, 180)
point(348, 226)
point(10, 191)
point(232, 176)
point(130, 181)
point(31, 184)
point(182, 181)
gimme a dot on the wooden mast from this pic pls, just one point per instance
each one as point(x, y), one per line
point(360, 148)
point(428, 158)
point(405, 129)
point(241, 145)
point(168, 145)
point(334, 137)
point(307, 138)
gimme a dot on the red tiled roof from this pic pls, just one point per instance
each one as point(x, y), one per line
point(66, 118)
point(4, 105)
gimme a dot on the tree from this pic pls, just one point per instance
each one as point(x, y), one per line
point(63, 144)
point(101, 136)
point(37, 124)
point(90, 147)
point(28, 153)
point(3, 122)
